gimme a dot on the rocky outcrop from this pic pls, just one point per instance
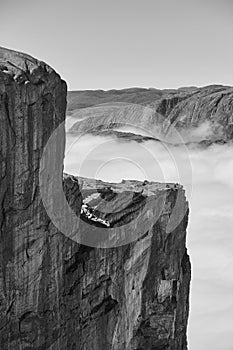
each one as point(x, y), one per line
point(157, 112)
point(56, 293)
point(133, 296)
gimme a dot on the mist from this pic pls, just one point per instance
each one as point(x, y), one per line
point(207, 176)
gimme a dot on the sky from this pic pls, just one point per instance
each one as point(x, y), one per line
point(109, 44)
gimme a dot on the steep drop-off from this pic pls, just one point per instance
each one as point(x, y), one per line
point(58, 294)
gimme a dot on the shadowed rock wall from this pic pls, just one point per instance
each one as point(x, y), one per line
point(54, 292)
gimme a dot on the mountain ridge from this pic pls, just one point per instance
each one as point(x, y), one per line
point(158, 111)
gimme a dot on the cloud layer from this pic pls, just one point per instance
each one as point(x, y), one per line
point(207, 175)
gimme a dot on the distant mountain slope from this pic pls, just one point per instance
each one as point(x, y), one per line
point(210, 109)
point(88, 98)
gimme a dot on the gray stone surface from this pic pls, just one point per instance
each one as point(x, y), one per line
point(55, 293)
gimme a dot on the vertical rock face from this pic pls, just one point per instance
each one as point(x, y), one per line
point(135, 296)
point(54, 292)
point(32, 105)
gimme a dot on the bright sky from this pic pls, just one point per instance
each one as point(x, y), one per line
point(115, 44)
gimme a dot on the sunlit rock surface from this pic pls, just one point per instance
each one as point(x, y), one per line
point(54, 292)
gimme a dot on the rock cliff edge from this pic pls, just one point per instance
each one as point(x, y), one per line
point(56, 293)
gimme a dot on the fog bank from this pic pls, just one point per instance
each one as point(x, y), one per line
point(207, 175)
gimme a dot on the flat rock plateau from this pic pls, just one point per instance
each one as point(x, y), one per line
point(57, 293)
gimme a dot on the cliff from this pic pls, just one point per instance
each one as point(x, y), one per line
point(128, 287)
point(156, 112)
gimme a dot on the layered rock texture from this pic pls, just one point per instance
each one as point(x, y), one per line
point(56, 293)
point(207, 112)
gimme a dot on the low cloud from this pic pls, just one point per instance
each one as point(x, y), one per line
point(207, 175)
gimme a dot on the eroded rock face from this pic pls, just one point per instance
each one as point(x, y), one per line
point(54, 292)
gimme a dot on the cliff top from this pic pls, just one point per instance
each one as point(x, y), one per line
point(146, 187)
point(22, 67)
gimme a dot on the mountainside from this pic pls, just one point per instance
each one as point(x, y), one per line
point(128, 287)
point(207, 112)
point(88, 98)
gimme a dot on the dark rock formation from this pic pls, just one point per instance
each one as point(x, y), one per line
point(32, 105)
point(134, 296)
point(56, 293)
point(155, 111)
